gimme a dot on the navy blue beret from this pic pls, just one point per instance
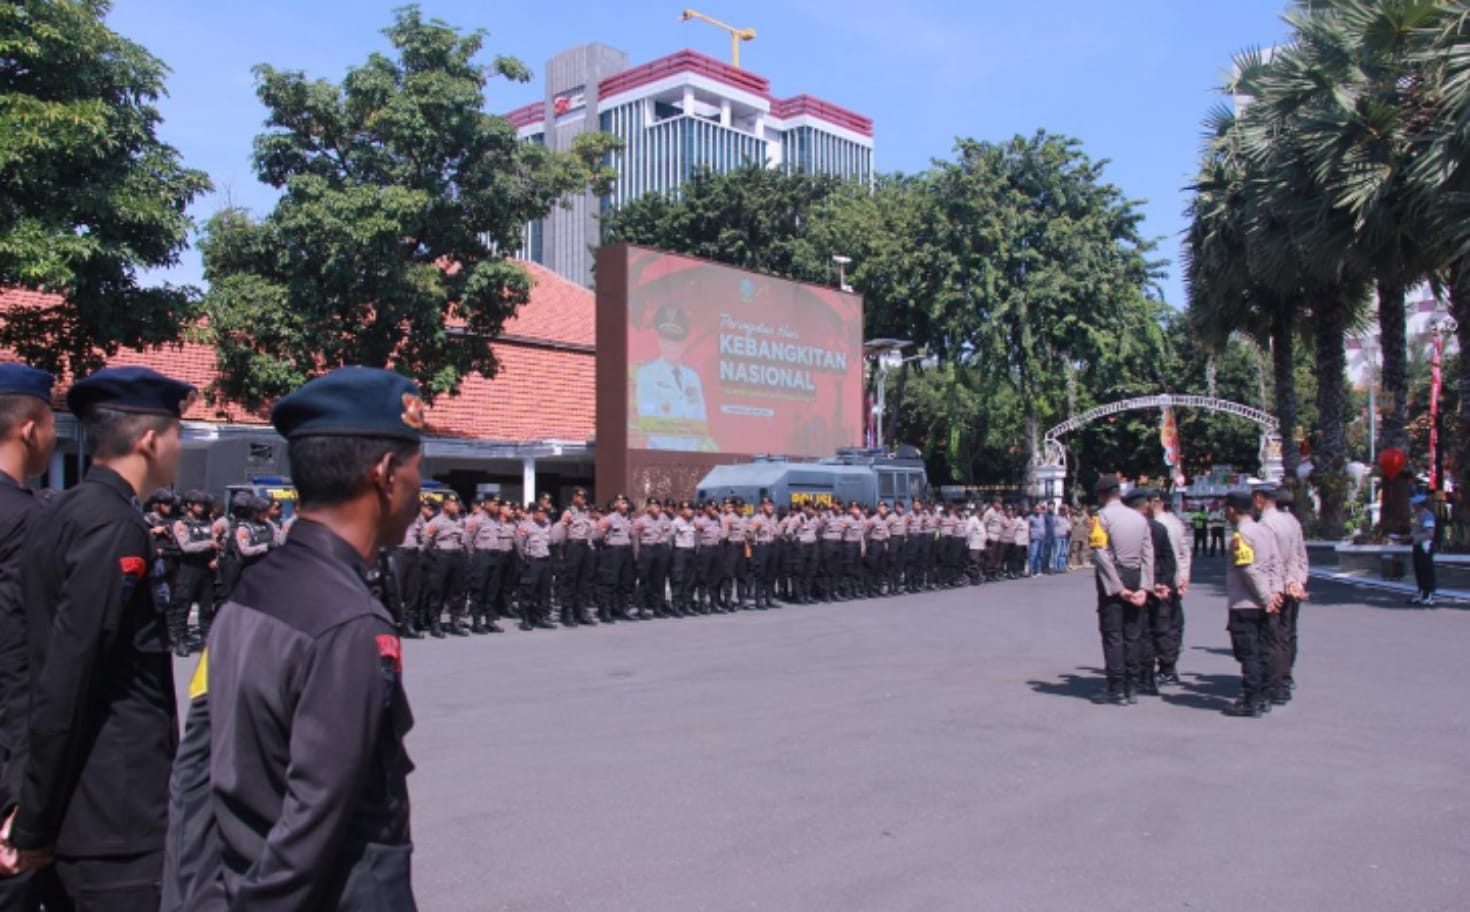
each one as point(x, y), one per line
point(131, 389)
point(353, 402)
point(1137, 496)
point(24, 380)
point(1239, 501)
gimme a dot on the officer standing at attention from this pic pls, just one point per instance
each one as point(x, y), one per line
point(444, 542)
point(1172, 611)
point(307, 775)
point(1291, 549)
point(27, 438)
point(407, 573)
point(198, 548)
point(878, 533)
point(898, 537)
point(102, 723)
point(709, 559)
point(1253, 593)
point(615, 564)
point(737, 559)
point(533, 544)
point(1156, 606)
point(762, 530)
point(1122, 555)
point(160, 518)
point(576, 578)
point(830, 529)
point(682, 564)
point(482, 532)
point(648, 533)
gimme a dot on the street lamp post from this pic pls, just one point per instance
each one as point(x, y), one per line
point(883, 350)
point(842, 264)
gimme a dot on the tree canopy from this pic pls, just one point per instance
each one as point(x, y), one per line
point(401, 203)
point(89, 196)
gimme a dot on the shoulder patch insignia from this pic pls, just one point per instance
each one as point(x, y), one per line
point(1244, 555)
point(135, 567)
point(199, 683)
point(390, 649)
point(1098, 538)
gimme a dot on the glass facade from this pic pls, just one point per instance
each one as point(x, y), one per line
point(659, 157)
point(808, 150)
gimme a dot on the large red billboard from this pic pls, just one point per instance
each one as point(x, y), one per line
point(726, 361)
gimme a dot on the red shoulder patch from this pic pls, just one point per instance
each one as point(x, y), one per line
point(133, 566)
point(390, 647)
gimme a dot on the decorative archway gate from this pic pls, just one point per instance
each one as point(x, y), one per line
point(1049, 470)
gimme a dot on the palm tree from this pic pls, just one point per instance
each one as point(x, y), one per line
point(1351, 85)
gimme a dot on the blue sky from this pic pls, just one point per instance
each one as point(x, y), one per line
point(1130, 78)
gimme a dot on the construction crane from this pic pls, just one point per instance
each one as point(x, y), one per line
point(737, 35)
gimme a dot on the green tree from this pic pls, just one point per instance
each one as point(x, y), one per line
point(400, 201)
point(753, 217)
point(89, 196)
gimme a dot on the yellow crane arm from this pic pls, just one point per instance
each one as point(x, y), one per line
point(737, 35)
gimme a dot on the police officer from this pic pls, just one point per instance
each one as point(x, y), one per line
point(306, 786)
point(1253, 592)
point(533, 544)
point(444, 542)
point(898, 538)
point(648, 536)
point(736, 575)
point(576, 578)
point(615, 564)
point(664, 556)
point(408, 574)
point(510, 562)
point(1156, 622)
point(878, 534)
point(1291, 550)
point(761, 531)
point(682, 559)
point(709, 559)
point(808, 559)
point(1122, 554)
point(160, 507)
point(27, 438)
point(198, 549)
point(102, 717)
point(1171, 610)
point(482, 536)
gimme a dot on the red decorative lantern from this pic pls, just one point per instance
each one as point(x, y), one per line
point(1392, 461)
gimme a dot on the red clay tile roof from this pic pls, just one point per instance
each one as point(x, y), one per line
point(541, 392)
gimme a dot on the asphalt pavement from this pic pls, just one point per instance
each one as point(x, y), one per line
point(941, 752)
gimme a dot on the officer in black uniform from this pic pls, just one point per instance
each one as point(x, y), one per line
point(102, 717)
point(305, 782)
point(27, 437)
point(161, 507)
point(198, 553)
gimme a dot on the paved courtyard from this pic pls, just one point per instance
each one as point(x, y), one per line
point(941, 752)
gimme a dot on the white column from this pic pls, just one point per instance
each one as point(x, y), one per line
point(724, 112)
point(57, 470)
point(689, 101)
point(528, 478)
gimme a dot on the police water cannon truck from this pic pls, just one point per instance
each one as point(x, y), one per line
point(867, 476)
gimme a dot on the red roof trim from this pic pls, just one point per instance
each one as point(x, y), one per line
point(684, 62)
point(527, 115)
point(822, 110)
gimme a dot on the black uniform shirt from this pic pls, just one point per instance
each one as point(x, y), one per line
point(309, 770)
point(103, 722)
point(1166, 568)
point(16, 506)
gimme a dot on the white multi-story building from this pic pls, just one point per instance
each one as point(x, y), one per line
point(676, 116)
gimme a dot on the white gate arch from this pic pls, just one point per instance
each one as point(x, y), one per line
point(1050, 467)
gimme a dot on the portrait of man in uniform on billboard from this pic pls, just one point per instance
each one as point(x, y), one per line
point(668, 393)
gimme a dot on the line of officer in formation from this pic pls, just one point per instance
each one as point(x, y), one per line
point(458, 574)
point(1142, 560)
point(202, 553)
point(296, 796)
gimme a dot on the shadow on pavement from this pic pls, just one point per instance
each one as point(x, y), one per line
point(1214, 650)
point(1086, 686)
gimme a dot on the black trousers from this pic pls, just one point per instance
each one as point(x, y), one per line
point(1424, 575)
point(1168, 631)
point(737, 570)
point(762, 571)
point(1121, 625)
point(615, 579)
point(1250, 638)
point(681, 577)
point(408, 574)
point(830, 567)
point(114, 883)
point(195, 583)
point(536, 590)
point(510, 583)
point(27, 892)
point(1284, 640)
point(446, 585)
point(808, 563)
point(707, 564)
point(483, 592)
point(651, 578)
point(876, 566)
point(575, 582)
point(1217, 541)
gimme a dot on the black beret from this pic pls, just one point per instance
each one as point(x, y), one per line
point(1137, 496)
point(451, 497)
point(1268, 491)
point(654, 502)
point(196, 496)
point(162, 496)
point(579, 491)
point(685, 505)
point(1106, 484)
point(353, 402)
point(1239, 501)
point(260, 503)
point(1284, 498)
point(24, 380)
point(671, 322)
point(131, 389)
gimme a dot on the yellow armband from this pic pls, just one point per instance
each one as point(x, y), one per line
point(1244, 556)
point(199, 684)
point(1098, 538)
